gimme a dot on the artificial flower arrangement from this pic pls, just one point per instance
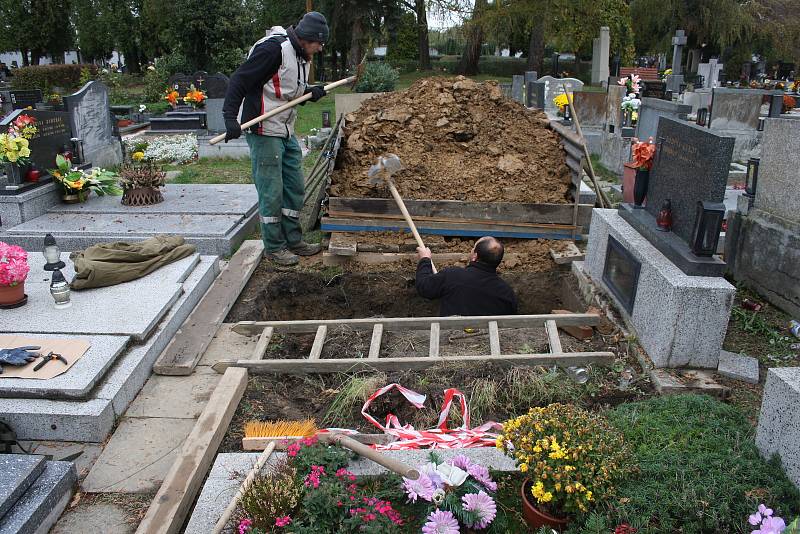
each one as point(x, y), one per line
point(768, 523)
point(314, 492)
point(667, 72)
point(171, 95)
point(632, 83)
point(642, 154)
point(789, 103)
point(562, 101)
point(13, 265)
point(573, 458)
point(14, 145)
point(631, 104)
point(454, 494)
point(194, 97)
point(80, 183)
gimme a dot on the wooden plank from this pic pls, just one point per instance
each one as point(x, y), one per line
point(319, 342)
point(449, 209)
point(169, 508)
point(494, 338)
point(331, 224)
point(259, 444)
point(379, 258)
point(332, 365)
point(263, 342)
point(342, 245)
point(433, 348)
point(375, 344)
point(450, 220)
point(195, 335)
point(552, 337)
point(252, 328)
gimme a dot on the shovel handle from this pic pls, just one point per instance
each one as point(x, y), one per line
point(407, 216)
point(284, 107)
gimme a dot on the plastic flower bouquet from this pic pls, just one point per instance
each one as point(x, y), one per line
point(14, 146)
point(194, 97)
point(643, 153)
point(13, 265)
point(632, 83)
point(573, 457)
point(171, 96)
point(78, 182)
point(630, 103)
point(455, 492)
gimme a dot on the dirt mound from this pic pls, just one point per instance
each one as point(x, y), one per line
point(459, 140)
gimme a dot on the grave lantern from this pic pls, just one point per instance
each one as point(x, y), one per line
point(52, 254)
point(751, 177)
point(664, 219)
point(579, 375)
point(707, 226)
point(702, 114)
point(760, 124)
point(326, 119)
point(567, 114)
point(59, 289)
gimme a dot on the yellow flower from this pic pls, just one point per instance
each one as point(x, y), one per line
point(139, 156)
point(523, 467)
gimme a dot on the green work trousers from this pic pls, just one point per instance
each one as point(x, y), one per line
point(280, 184)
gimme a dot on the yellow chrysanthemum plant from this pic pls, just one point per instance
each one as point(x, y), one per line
point(562, 101)
point(14, 144)
point(573, 458)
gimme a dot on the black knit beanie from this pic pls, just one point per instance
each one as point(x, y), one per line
point(313, 27)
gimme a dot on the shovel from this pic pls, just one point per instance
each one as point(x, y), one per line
point(387, 166)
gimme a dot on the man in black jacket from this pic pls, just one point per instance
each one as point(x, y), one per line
point(474, 290)
point(275, 72)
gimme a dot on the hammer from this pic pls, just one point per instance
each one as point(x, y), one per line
point(353, 80)
point(387, 166)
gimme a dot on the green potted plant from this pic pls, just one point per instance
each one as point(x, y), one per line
point(572, 459)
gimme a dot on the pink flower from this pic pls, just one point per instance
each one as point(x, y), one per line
point(461, 461)
point(771, 525)
point(441, 522)
point(312, 479)
point(282, 521)
point(292, 450)
point(482, 505)
point(244, 525)
point(420, 488)
point(763, 510)
point(17, 270)
point(481, 474)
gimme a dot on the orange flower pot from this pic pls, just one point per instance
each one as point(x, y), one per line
point(535, 517)
point(12, 295)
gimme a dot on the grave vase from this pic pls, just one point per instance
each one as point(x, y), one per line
point(640, 187)
point(10, 296)
point(77, 197)
point(14, 174)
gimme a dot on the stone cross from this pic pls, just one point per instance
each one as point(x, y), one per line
point(678, 42)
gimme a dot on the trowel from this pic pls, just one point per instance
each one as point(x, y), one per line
point(382, 171)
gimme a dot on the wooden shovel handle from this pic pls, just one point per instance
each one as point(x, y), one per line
point(284, 107)
point(402, 205)
point(396, 466)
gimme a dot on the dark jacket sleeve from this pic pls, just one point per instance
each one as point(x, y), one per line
point(429, 285)
point(262, 65)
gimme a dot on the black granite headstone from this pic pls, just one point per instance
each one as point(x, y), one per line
point(215, 86)
point(621, 273)
point(535, 95)
point(52, 135)
point(691, 164)
point(180, 82)
point(21, 99)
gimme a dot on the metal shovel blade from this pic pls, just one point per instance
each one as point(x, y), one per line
point(390, 163)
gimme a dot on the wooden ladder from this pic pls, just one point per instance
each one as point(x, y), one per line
point(314, 363)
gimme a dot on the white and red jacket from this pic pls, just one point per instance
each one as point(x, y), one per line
point(275, 72)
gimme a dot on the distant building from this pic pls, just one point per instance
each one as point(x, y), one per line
point(380, 51)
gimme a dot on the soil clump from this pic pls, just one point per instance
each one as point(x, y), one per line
point(459, 140)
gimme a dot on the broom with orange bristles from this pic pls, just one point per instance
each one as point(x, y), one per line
point(274, 434)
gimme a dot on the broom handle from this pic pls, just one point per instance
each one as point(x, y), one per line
point(284, 107)
point(226, 515)
point(391, 464)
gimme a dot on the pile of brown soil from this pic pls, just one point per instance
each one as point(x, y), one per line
point(459, 140)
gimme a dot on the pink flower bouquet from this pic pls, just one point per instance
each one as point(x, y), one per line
point(13, 264)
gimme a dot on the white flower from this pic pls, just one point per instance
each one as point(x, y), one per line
point(438, 497)
point(451, 475)
point(104, 71)
point(151, 67)
point(142, 108)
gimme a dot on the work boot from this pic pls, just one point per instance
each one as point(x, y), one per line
point(305, 249)
point(282, 257)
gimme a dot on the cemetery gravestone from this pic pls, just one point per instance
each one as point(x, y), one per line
point(710, 72)
point(675, 80)
point(21, 99)
point(591, 108)
point(555, 86)
point(600, 55)
point(535, 97)
point(92, 122)
point(652, 110)
point(691, 164)
point(735, 109)
point(53, 133)
point(517, 81)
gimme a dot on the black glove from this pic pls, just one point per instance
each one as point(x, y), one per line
point(232, 129)
point(317, 92)
point(18, 356)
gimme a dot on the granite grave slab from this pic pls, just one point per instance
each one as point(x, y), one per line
point(591, 108)
point(777, 191)
point(651, 112)
point(91, 420)
point(680, 320)
point(39, 508)
point(81, 377)
point(735, 109)
point(779, 421)
point(738, 367)
point(19, 472)
point(535, 95)
point(93, 123)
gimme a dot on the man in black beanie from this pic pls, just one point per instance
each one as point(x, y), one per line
point(275, 72)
